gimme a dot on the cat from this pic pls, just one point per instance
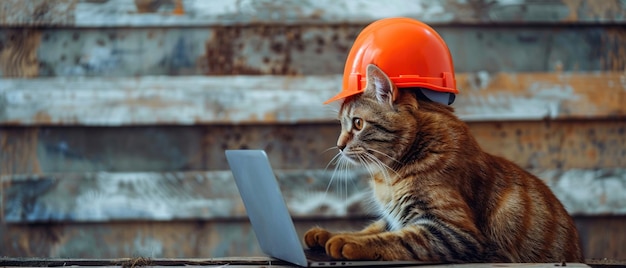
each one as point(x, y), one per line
point(440, 197)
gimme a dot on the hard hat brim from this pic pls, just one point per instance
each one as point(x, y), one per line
point(342, 95)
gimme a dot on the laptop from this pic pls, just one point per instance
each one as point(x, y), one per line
point(270, 218)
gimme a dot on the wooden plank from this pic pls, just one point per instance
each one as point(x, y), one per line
point(166, 196)
point(98, 197)
point(167, 239)
point(531, 144)
point(603, 240)
point(150, 13)
point(174, 239)
point(18, 52)
point(601, 237)
point(166, 100)
point(298, 49)
point(162, 148)
point(18, 151)
point(289, 99)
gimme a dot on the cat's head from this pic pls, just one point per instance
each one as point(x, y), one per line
point(379, 125)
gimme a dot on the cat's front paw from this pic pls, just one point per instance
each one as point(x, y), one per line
point(316, 237)
point(350, 247)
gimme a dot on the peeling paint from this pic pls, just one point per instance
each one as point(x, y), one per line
point(151, 196)
point(599, 190)
point(37, 13)
point(43, 117)
point(537, 96)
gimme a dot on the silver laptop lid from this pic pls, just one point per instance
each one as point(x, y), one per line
point(265, 205)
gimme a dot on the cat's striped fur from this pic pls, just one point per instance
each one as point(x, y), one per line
point(440, 197)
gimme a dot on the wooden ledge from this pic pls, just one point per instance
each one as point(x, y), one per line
point(191, 100)
point(232, 262)
point(142, 262)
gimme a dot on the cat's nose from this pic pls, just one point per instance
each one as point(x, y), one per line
point(341, 146)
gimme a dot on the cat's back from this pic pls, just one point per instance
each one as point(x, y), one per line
point(523, 220)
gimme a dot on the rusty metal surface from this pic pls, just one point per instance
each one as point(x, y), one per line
point(120, 13)
point(288, 50)
point(291, 99)
point(276, 49)
point(558, 144)
point(122, 52)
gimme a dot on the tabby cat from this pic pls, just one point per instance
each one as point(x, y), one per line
point(439, 196)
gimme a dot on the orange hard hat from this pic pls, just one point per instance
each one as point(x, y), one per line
point(410, 52)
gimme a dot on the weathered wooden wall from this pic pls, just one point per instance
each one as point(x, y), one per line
point(114, 114)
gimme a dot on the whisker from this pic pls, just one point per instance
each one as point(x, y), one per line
point(337, 161)
point(339, 171)
point(384, 154)
point(339, 175)
point(342, 189)
point(333, 161)
point(367, 166)
point(331, 148)
point(373, 162)
point(383, 164)
point(384, 168)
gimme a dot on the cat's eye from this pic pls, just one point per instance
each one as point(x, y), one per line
point(357, 123)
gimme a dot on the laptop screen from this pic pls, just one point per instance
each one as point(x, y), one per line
point(265, 205)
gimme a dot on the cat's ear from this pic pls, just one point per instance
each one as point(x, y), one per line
point(380, 86)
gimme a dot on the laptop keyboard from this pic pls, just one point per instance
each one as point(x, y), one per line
point(318, 255)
